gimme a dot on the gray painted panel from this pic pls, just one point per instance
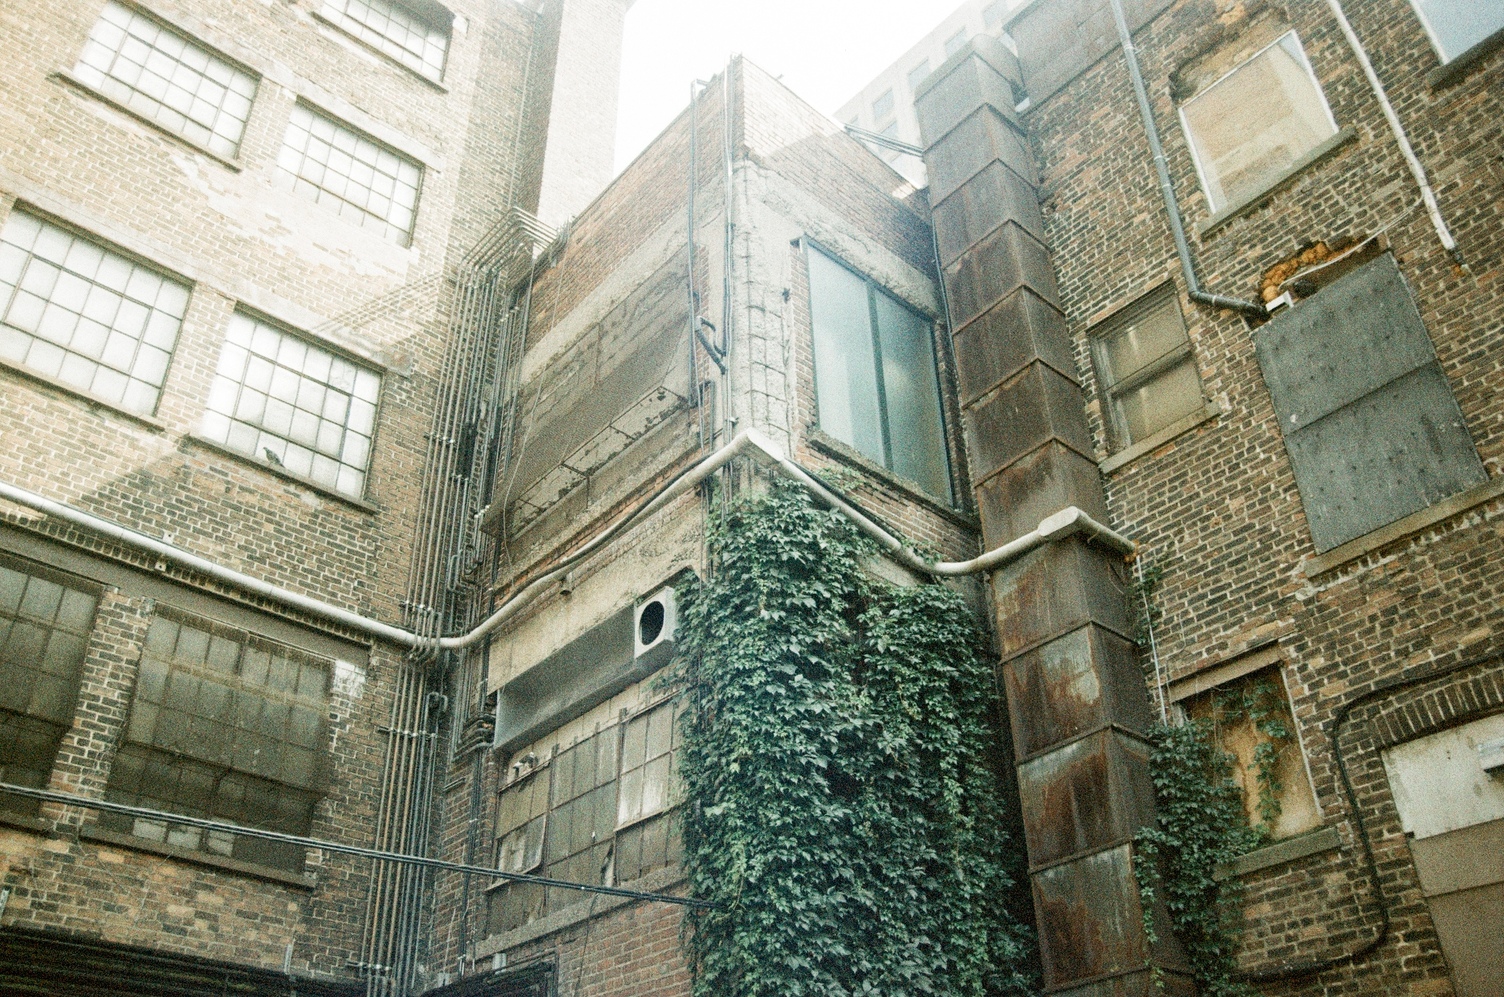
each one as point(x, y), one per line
point(1356, 335)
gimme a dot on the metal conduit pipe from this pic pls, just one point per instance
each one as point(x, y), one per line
point(1166, 190)
point(1068, 522)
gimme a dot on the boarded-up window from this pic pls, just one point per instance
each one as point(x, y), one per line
point(224, 725)
point(45, 621)
point(1370, 424)
point(1143, 359)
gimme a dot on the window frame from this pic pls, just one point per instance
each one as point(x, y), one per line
point(1168, 293)
point(438, 17)
point(1227, 202)
point(873, 288)
point(1435, 38)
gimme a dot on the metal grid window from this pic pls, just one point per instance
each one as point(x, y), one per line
point(1144, 362)
point(363, 181)
point(167, 78)
point(91, 318)
point(1455, 26)
point(1254, 124)
point(45, 621)
point(417, 42)
point(648, 834)
point(296, 405)
point(224, 725)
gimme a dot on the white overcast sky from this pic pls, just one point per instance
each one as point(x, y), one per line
point(825, 50)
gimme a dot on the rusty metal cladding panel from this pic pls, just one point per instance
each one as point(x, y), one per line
point(1039, 484)
point(1086, 795)
point(962, 152)
point(999, 342)
point(1090, 920)
point(1059, 40)
point(1035, 407)
point(982, 204)
point(944, 101)
point(994, 268)
point(1395, 451)
point(1073, 684)
point(1352, 338)
point(1057, 589)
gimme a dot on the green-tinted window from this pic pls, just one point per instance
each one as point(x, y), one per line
point(1144, 362)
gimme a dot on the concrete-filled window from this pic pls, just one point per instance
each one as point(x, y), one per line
point(955, 43)
point(418, 40)
point(167, 78)
point(362, 180)
point(1251, 722)
point(600, 811)
point(1457, 25)
point(1253, 125)
point(1147, 371)
point(224, 725)
point(882, 107)
point(46, 618)
point(304, 408)
point(84, 315)
point(918, 74)
point(877, 384)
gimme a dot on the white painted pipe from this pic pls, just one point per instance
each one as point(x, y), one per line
point(1068, 522)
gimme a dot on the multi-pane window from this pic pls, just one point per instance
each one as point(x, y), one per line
point(417, 42)
point(601, 811)
point(1457, 25)
point(45, 621)
point(167, 78)
point(917, 74)
point(877, 387)
point(1147, 372)
point(362, 180)
point(1253, 125)
point(228, 726)
point(296, 405)
point(93, 319)
point(955, 43)
point(882, 107)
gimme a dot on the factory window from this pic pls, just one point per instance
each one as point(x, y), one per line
point(917, 75)
point(88, 317)
point(228, 726)
point(1251, 721)
point(419, 41)
point(294, 404)
point(955, 43)
point(363, 181)
point(45, 621)
point(1144, 363)
point(601, 811)
point(882, 107)
point(167, 79)
point(1253, 125)
point(1455, 26)
point(877, 386)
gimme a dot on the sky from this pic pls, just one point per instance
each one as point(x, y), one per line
point(825, 50)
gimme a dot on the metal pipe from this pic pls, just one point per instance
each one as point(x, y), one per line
point(1401, 139)
point(1167, 190)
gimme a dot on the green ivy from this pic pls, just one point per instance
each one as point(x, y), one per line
point(844, 804)
point(1202, 825)
point(1261, 704)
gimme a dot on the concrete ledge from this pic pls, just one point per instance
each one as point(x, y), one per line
point(662, 881)
point(1454, 71)
point(1402, 528)
point(135, 844)
point(1132, 453)
point(832, 447)
point(1323, 839)
point(1246, 204)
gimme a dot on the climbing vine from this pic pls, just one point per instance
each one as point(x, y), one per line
point(1261, 705)
point(845, 809)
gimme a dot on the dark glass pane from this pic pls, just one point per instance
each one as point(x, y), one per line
point(845, 363)
point(912, 391)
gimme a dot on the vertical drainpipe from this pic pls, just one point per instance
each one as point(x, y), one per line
point(1076, 700)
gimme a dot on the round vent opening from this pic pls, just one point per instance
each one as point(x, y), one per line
point(650, 623)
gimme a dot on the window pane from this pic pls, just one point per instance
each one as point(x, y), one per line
point(845, 363)
point(167, 78)
point(955, 43)
point(1252, 125)
point(1140, 337)
point(361, 180)
point(1458, 25)
point(882, 107)
point(395, 30)
point(912, 392)
point(1149, 407)
point(917, 75)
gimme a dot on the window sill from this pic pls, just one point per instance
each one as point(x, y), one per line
point(133, 843)
point(1452, 72)
point(319, 16)
point(94, 401)
point(1249, 203)
point(1402, 528)
point(284, 473)
point(1128, 455)
point(661, 881)
point(25, 822)
point(67, 77)
point(1322, 839)
point(832, 447)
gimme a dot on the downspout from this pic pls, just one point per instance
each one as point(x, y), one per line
point(1252, 309)
point(1401, 139)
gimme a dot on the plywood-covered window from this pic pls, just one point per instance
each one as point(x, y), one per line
point(1145, 366)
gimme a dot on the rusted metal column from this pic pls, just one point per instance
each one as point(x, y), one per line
point(1076, 696)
